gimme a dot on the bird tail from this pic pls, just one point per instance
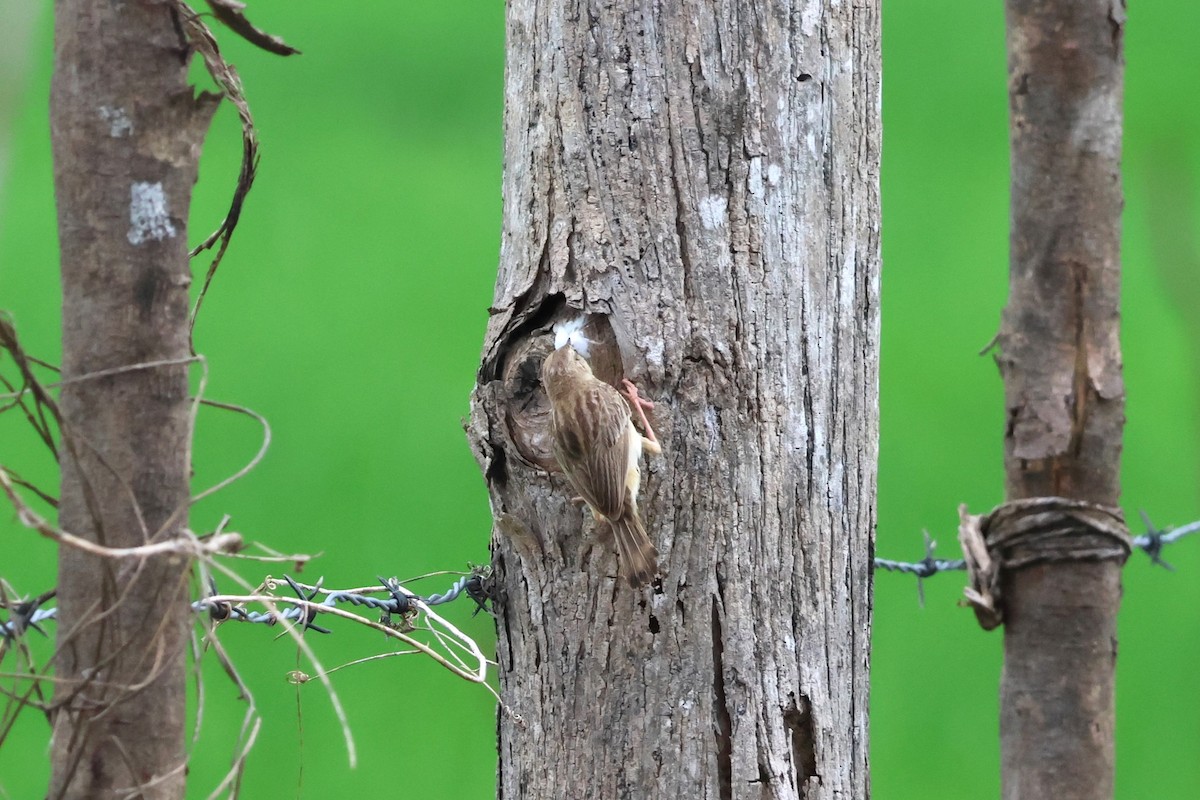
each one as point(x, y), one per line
point(639, 558)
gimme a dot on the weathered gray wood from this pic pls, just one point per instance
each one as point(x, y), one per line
point(703, 179)
point(126, 131)
point(1061, 361)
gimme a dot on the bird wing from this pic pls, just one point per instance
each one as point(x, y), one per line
point(591, 443)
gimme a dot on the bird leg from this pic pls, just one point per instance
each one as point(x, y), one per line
point(640, 404)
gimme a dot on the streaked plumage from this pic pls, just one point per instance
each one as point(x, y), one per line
point(599, 450)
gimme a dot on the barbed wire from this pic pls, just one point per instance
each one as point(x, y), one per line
point(302, 610)
point(26, 614)
point(1151, 543)
point(400, 602)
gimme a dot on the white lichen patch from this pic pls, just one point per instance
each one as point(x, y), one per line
point(654, 353)
point(774, 174)
point(712, 426)
point(712, 211)
point(148, 217)
point(1097, 126)
point(119, 123)
point(810, 16)
point(755, 179)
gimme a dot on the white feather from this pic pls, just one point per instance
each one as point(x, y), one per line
point(571, 332)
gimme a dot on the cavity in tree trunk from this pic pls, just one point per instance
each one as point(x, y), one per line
point(702, 180)
point(1065, 398)
point(126, 132)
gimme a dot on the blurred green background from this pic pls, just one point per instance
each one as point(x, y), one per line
point(350, 311)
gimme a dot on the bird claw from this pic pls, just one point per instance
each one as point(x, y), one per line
point(635, 399)
point(640, 405)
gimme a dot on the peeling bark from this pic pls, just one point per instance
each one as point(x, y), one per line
point(1061, 363)
point(126, 132)
point(702, 180)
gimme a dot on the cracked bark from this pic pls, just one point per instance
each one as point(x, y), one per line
point(703, 180)
point(1061, 363)
point(126, 133)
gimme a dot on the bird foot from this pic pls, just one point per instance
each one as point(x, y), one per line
point(640, 406)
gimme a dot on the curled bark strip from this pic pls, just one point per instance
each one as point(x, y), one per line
point(225, 75)
point(983, 590)
point(1033, 531)
point(231, 13)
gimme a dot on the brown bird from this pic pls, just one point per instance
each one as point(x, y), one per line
point(600, 449)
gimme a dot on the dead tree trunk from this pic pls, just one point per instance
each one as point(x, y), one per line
point(126, 132)
point(702, 180)
point(1065, 398)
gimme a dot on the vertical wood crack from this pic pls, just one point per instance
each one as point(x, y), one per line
point(724, 726)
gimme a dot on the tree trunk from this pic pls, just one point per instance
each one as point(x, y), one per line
point(702, 180)
point(126, 132)
point(1061, 364)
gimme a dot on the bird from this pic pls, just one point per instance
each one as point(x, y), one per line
point(599, 448)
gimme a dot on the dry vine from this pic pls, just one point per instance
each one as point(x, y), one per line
point(422, 630)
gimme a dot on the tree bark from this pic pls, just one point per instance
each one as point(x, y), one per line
point(702, 180)
point(126, 132)
point(1061, 364)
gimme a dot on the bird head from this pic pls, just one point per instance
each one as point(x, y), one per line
point(562, 368)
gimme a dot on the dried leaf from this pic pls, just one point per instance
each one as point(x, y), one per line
point(982, 593)
point(231, 13)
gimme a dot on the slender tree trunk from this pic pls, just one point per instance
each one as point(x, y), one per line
point(1061, 364)
point(126, 132)
point(19, 22)
point(702, 179)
